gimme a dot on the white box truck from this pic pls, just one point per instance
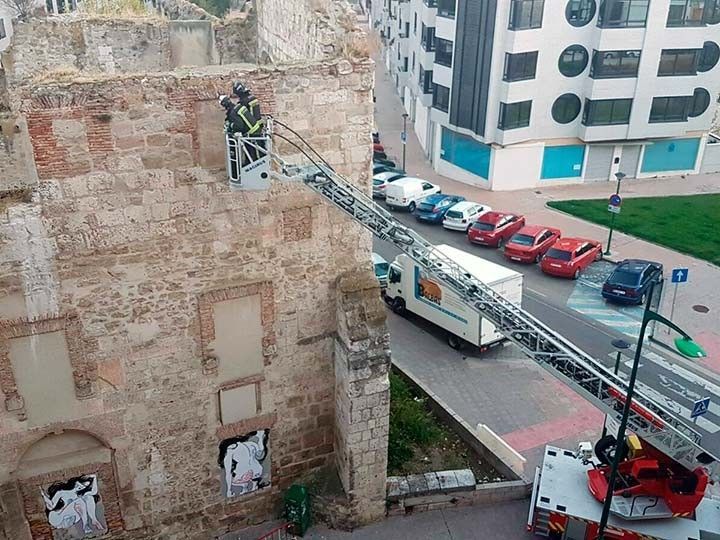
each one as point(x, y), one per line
point(411, 288)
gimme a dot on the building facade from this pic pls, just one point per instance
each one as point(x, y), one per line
point(174, 355)
point(521, 93)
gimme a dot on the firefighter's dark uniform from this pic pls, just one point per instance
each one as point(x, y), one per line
point(248, 111)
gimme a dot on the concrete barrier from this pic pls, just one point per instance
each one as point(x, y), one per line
point(497, 445)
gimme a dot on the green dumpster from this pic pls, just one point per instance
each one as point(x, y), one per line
point(297, 509)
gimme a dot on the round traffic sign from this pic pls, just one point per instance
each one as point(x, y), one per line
point(615, 200)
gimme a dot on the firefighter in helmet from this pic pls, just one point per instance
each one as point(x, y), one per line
point(248, 109)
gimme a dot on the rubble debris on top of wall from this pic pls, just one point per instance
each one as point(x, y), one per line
point(183, 10)
point(309, 30)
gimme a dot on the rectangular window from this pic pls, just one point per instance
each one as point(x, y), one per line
point(446, 8)
point(415, 24)
point(425, 80)
point(441, 97)
point(623, 13)
point(669, 109)
point(3, 32)
point(688, 12)
point(514, 115)
point(428, 38)
point(614, 64)
point(413, 62)
point(520, 67)
point(405, 63)
point(525, 14)
point(443, 52)
point(606, 112)
point(678, 62)
point(407, 29)
point(431, 3)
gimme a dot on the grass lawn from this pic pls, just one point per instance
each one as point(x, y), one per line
point(689, 224)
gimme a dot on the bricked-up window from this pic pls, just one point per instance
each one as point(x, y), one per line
point(675, 62)
point(427, 39)
point(441, 97)
point(526, 14)
point(443, 52)
point(446, 8)
point(607, 112)
point(515, 115)
point(669, 109)
point(520, 66)
point(614, 64)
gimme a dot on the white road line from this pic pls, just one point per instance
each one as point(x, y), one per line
point(536, 292)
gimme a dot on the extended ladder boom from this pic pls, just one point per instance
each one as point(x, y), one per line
point(573, 366)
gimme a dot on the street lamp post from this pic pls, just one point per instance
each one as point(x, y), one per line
point(404, 140)
point(687, 347)
point(619, 175)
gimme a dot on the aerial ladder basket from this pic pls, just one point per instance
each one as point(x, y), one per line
point(248, 160)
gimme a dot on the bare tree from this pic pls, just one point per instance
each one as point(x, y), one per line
point(22, 9)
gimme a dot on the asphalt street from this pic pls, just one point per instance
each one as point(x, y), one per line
point(574, 308)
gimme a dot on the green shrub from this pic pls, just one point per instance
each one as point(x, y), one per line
point(410, 423)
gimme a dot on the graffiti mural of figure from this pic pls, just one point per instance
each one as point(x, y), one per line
point(74, 502)
point(243, 460)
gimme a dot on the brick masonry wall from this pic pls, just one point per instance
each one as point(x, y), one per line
point(132, 225)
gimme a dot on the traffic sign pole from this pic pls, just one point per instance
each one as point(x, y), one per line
point(614, 208)
point(672, 308)
point(679, 275)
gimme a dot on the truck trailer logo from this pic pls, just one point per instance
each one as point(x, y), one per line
point(430, 293)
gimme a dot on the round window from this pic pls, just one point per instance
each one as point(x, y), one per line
point(700, 102)
point(709, 56)
point(573, 60)
point(566, 108)
point(580, 12)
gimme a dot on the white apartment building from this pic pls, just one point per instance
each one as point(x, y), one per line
point(510, 94)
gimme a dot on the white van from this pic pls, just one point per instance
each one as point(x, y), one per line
point(406, 193)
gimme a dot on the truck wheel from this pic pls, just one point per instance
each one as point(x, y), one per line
point(398, 306)
point(454, 341)
point(411, 207)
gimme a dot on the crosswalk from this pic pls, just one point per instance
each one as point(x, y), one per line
point(674, 387)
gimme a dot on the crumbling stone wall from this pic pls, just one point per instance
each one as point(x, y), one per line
point(17, 169)
point(48, 48)
point(130, 239)
point(306, 30)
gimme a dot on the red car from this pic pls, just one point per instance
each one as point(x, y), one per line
point(570, 256)
point(495, 228)
point(530, 243)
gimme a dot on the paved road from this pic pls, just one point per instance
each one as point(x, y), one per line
point(516, 398)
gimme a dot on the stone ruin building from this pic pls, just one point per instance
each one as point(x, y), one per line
point(174, 355)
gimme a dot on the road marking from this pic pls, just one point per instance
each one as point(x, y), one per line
point(586, 299)
point(575, 317)
point(536, 292)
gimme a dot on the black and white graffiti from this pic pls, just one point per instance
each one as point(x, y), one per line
point(74, 508)
point(245, 463)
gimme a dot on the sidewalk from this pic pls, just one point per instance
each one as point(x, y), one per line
point(504, 521)
point(704, 278)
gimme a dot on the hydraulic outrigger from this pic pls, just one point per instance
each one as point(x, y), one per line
point(650, 421)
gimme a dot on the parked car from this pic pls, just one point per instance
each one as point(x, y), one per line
point(382, 180)
point(434, 207)
point(570, 256)
point(495, 228)
point(462, 215)
point(630, 281)
point(406, 193)
point(381, 267)
point(383, 167)
point(379, 148)
point(530, 243)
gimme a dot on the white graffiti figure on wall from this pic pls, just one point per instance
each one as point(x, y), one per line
point(74, 504)
point(244, 462)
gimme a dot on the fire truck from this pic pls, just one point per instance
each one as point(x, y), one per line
point(661, 488)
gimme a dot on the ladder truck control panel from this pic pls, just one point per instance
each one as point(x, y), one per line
point(669, 445)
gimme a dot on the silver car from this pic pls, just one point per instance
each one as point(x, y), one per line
point(381, 181)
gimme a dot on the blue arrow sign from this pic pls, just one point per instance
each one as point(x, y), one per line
point(680, 275)
point(700, 407)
